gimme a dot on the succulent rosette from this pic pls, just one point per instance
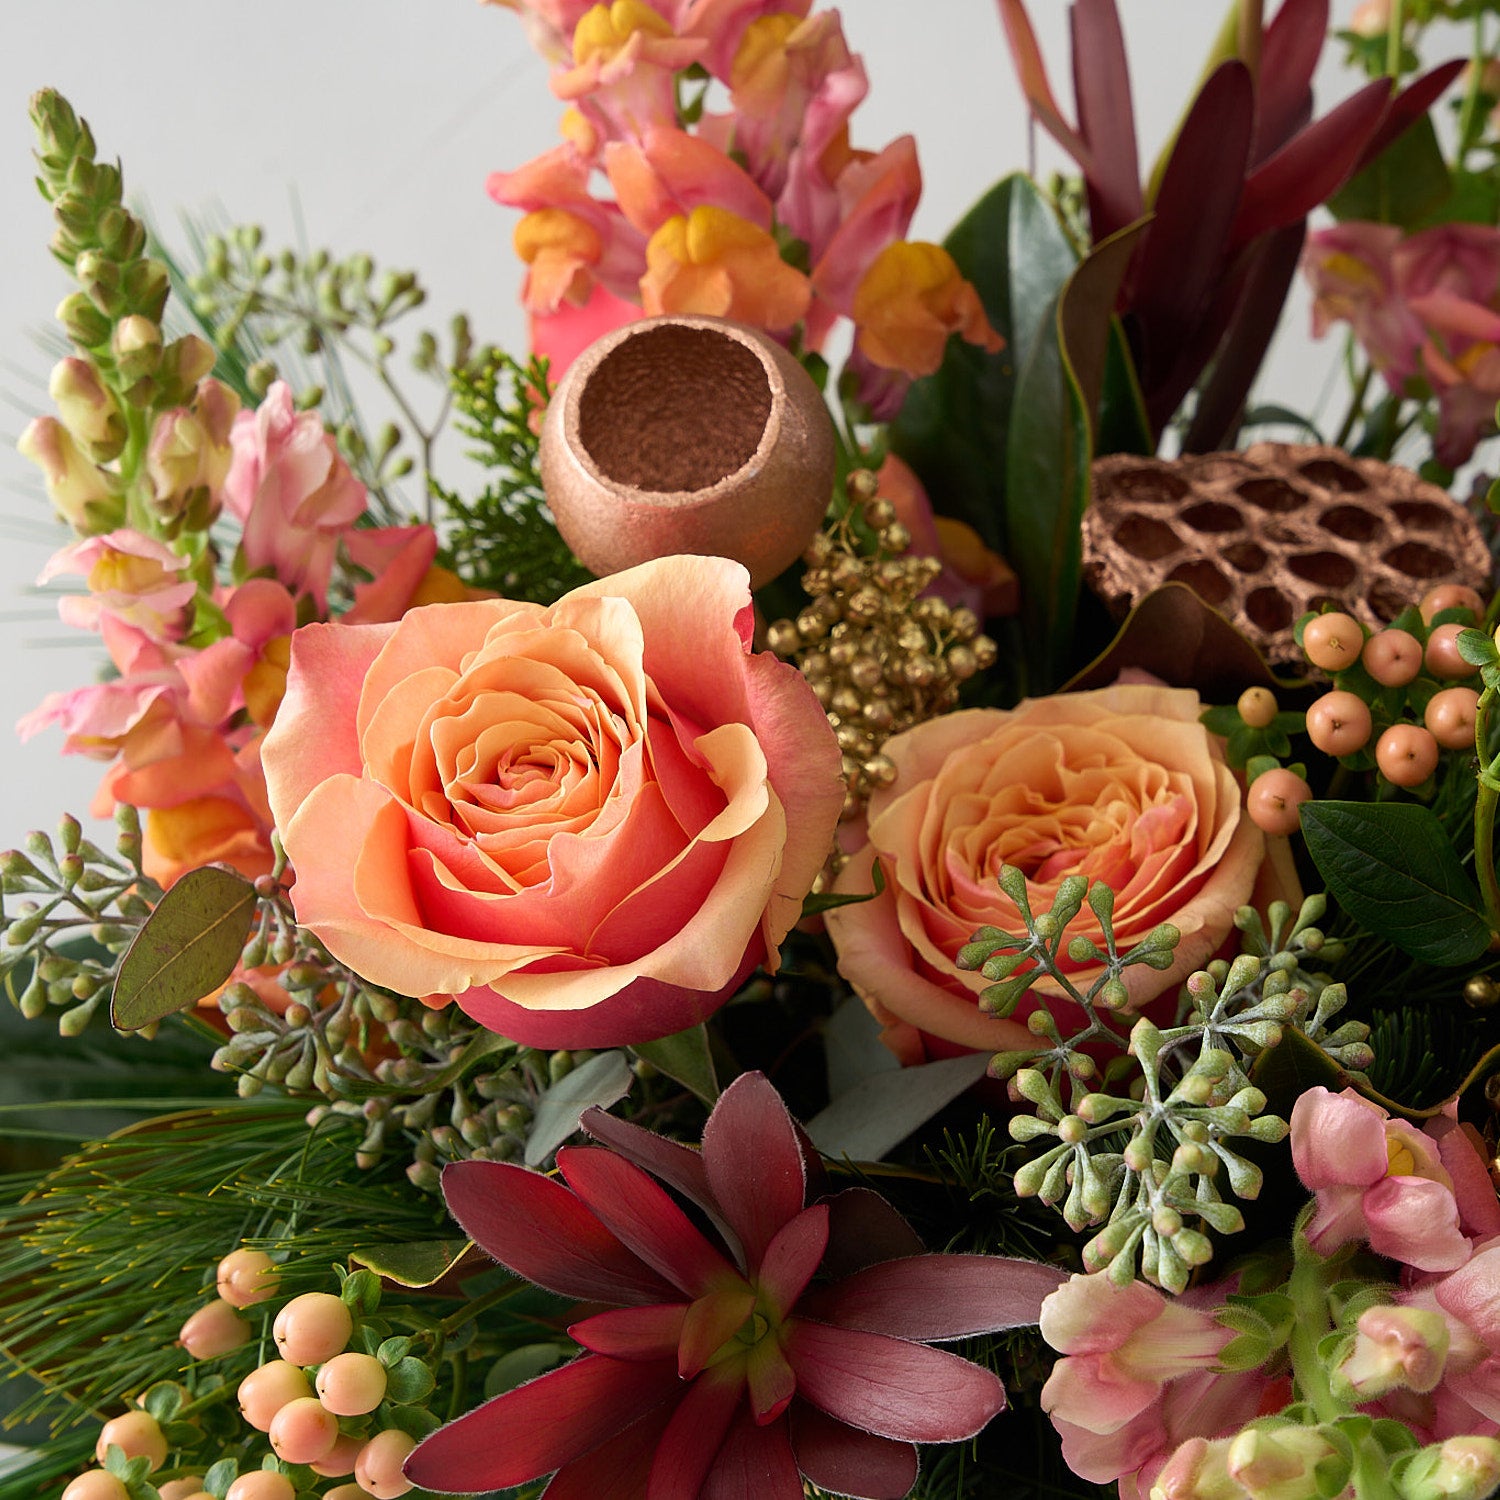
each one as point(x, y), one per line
point(788, 1339)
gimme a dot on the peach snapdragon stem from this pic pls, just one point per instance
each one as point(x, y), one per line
point(1393, 40)
point(1309, 1297)
point(1487, 797)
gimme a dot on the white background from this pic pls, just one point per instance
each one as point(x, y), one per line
point(371, 125)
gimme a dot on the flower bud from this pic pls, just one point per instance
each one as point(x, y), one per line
point(84, 323)
point(1461, 1468)
point(189, 454)
point(136, 346)
point(1198, 1470)
point(78, 489)
point(87, 409)
point(1395, 1347)
point(184, 362)
point(1280, 1463)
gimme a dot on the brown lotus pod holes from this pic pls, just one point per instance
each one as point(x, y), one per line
point(1266, 535)
point(699, 402)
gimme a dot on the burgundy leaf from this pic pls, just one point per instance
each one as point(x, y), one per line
point(772, 1383)
point(1414, 100)
point(638, 1209)
point(1288, 185)
point(753, 1162)
point(542, 1425)
point(1181, 257)
point(617, 1469)
point(792, 1257)
point(694, 1436)
point(1106, 118)
point(846, 1461)
point(930, 1297)
point(535, 1227)
point(862, 1229)
point(1289, 53)
point(755, 1463)
point(1031, 72)
point(710, 1323)
point(633, 1332)
point(891, 1387)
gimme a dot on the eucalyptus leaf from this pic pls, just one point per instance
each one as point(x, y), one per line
point(1392, 868)
point(878, 1114)
point(185, 949)
point(602, 1080)
point(685, 1056)
point(853, 1049)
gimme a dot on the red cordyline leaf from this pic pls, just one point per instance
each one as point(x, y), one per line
point(792, 1258)
point(863, 1229)
point(1414, 100)
point(1106, 117)
point(1032, 72)
point(844, 1461)
point(711, 1322)
point(1289, 52)
point(755, 1463)
point(617, 1469)
point(694, 1436)
point(633, 1332)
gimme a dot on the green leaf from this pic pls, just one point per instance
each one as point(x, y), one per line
point(419, 1264)
point(601, 1080)
point(408, 1381)
point(521, 1365)
point(685, 1056)
point(1404, 185)
point(878, 1114)
point(852, 1048)
point(1285, 1072)
point(185, 949)
point(1392, 868)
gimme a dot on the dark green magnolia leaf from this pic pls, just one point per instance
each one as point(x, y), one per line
point(878, 1114)
point(1392, 868)
point(601, 1080)
point(418, 1264)
point(1285, 1072)
point(185, 949)
point(686, 1056)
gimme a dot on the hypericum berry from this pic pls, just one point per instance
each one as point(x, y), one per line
point(352, 1384)
point(246, 1277)
point(1392, 657)
point(137, 1435)
point(1450, 596)
point(1443, 659)
point(347, 1492)
point(189, 1487)
point(313, 1328)
point(96, 1484)
point(341, 1458)
point(1450, 717)
point(1406, 754)
point(378, 1467)
point(213, 1330)
point(303, 1431)
point(1257, 707)
point(1275, 799)
point(264, 1391)
point(261, 1484)
point(1333, 641)
point(1338, 723)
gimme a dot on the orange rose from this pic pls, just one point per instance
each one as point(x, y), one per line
point(1121, 785)
point(587, 822)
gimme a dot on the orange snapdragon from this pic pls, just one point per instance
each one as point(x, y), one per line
point(908, 304)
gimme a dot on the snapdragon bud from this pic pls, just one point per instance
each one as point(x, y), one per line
point(136, 346)
point(1280, 1463)
point(1198, 1470)
point(1461, 1468)
point(80, 491)
point(87, 409)
point(1395, 1347)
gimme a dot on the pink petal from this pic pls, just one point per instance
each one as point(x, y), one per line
point(534, 1226)
point(755, 1463)
point(934, 1297)
point(693, 1437)
point(752, 1161)
point(542, 1425)
point(1463, 1160)
point(640, 1212)
point(633, 1332)
point(1416, 1221)
point(792, 1258)
point(890, 1387)
point(849, 1462)
point(1337, 1139)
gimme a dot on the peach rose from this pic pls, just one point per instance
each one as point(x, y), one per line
point(588, 822)
point(1121, 785)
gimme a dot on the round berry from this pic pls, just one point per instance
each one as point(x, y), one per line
point(378, 1467)
point(189, 1487)
point(1257, 707)
point(261, 1484)
point(313, 1328)
point(1406, 754)
point(96, 1484)
point(340, 1459)
point(1443, 659)
point(137, 1435)
point(1450, 717)
point(352, 1384)
point(303, 1431)
point(1392, 657)
point(246, 1277)
point(1338, 723)
point(213, 1330)
point(264, 1391)
point(347, 1492)
point(1450, 596)
point(1333, 641)
point(1275, 799)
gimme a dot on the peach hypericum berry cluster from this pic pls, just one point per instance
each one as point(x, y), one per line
point(322, 1410)
point(1398, 698)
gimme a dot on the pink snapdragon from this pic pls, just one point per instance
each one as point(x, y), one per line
point(1376, 1179)
point(131, 576)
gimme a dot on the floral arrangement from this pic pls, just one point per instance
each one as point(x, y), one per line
point(885, 820)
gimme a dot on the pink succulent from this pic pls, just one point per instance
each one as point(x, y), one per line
point(723, 1367)
point(1376, 1179)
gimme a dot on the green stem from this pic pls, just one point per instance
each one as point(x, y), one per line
point(1393, 40)
point(471, 1310)
point(1356, 407)
point(1309, 1298)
